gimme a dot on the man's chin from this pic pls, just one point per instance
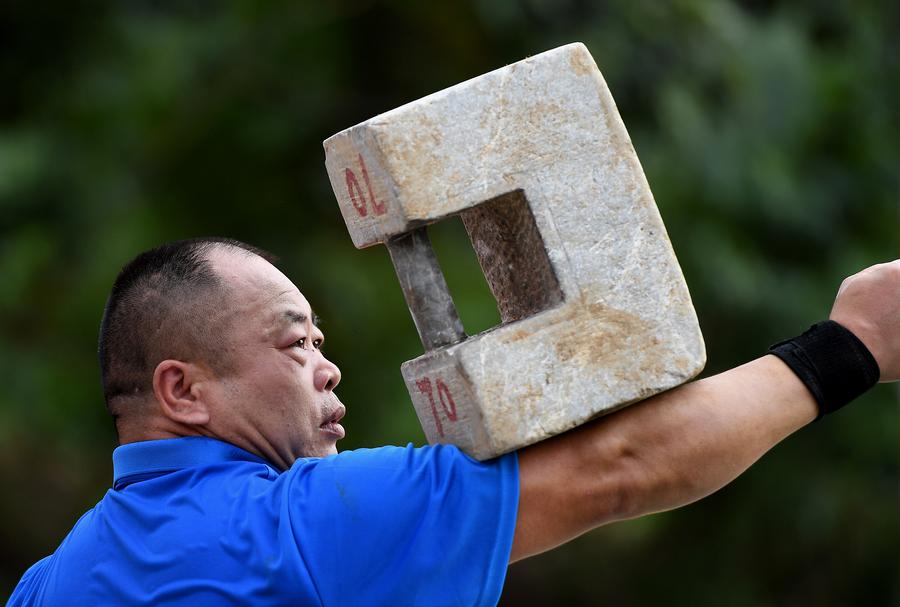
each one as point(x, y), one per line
point(323, 449)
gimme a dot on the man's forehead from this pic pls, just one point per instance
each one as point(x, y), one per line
point(245, 269)
point(258, 286)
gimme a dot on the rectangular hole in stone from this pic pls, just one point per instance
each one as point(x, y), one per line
point(516, 278)
point(475, 305)
point(512, 256)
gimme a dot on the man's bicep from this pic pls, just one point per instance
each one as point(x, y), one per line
point(568, 485)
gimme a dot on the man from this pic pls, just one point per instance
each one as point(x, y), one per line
point(229, 489)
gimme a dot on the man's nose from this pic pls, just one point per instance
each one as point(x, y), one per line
point(327, 375)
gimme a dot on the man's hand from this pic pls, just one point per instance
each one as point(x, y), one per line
point(684, 444)
point(868, 303)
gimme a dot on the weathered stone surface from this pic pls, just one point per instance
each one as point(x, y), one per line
point(534, 156)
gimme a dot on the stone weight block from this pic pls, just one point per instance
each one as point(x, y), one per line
point(535, 159)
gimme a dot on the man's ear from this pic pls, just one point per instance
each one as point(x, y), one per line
point(175, 385)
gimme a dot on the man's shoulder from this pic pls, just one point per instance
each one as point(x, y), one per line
point(28, 589)
point(425, 511)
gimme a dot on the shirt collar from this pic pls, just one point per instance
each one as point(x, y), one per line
point(167, 455)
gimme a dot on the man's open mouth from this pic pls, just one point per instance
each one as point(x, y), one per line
point(331, 425)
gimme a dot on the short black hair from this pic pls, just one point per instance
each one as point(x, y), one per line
point(162, 305)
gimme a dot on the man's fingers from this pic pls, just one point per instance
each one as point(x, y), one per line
point(868, 303)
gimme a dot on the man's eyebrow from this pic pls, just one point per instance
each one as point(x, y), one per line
point(293, 316)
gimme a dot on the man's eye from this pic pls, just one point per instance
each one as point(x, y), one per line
point(301, 343)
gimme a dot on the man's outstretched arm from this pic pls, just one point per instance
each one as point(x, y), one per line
point(684, 444)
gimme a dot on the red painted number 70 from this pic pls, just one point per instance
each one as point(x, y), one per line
point(448, 406)
point(357, 196)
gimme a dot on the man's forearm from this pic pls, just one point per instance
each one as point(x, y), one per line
point(667, 451)
point(691, 441)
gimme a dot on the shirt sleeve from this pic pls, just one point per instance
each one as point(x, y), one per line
point(404, 526)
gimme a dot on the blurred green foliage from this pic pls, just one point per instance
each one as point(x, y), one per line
point(769, 132)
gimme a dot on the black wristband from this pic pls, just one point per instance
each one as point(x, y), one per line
point(833, 363)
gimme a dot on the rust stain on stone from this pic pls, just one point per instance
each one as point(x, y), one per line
point(580, 63)
point(531, 394)
point(581, 342)
point(517, 336)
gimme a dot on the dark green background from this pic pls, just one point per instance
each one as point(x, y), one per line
point(768, 132)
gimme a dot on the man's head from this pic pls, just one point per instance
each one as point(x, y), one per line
point(206, 337)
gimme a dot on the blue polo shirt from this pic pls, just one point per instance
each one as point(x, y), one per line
point(196, 521)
